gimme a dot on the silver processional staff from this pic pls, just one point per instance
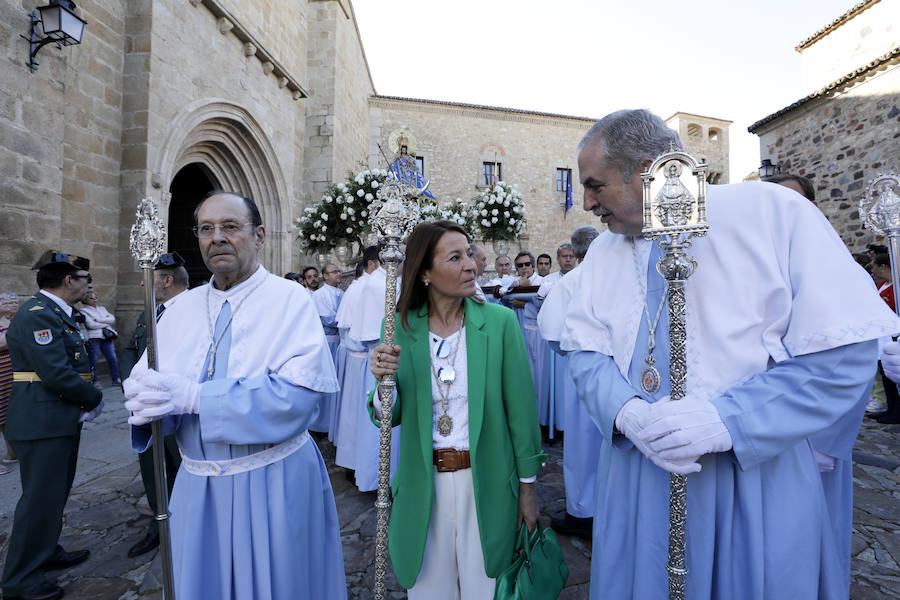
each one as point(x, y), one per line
point(674, 212)
point(148, 243)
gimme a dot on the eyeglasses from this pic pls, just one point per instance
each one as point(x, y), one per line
point(88, 277)
point(330, 272)
point(208, 230)
point(523, 264)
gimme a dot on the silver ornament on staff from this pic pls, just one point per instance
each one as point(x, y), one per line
point(148, 243)
point(396, 211)
point(675, 212)
point(879, 211)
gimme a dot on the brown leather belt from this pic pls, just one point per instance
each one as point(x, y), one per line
point(448, 459)
point(32, 377)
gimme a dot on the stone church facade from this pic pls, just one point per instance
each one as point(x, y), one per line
point(846, 131)
point(270, 98)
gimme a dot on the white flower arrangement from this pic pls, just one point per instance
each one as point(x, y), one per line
point(501, 212)
point(345, 204)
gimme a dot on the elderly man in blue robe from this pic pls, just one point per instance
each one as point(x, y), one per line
point(327, 299)
point(581, 446)
point(253, 514)
point(782, 329)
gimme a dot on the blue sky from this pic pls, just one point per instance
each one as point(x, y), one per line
point(731, 60)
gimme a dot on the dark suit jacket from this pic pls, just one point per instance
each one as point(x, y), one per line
point(134, 349)
point(43, 339)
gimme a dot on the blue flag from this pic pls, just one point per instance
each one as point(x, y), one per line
point(568, 192)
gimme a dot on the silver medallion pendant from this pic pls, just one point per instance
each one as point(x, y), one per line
point(445, 425)
point(650, 380)
point(446, 375)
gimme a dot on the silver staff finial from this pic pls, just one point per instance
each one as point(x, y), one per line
point(879, 209)
point(148, 234)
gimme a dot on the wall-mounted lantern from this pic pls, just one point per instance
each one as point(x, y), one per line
point(59, 24)
point(767, 169)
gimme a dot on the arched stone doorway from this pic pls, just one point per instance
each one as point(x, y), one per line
point(188, 186)
point(225, 144)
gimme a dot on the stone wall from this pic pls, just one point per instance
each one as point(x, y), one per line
point(841, 143)
point(202, 95)
point(455, 139)
point(60, 133)
point(353, 86)
point(337, 110)
point(704, 138)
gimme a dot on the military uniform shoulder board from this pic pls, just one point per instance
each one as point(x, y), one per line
point(37, 307)
point(43, 336)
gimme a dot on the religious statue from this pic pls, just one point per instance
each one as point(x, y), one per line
point(674, 202)
point(404, 166)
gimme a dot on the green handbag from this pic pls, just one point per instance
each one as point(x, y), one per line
point(538, 570)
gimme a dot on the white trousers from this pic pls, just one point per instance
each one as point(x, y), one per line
point(453, 565)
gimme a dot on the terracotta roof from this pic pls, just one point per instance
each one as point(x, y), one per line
point(887, 59)
point(485, 107)
point(835, 24)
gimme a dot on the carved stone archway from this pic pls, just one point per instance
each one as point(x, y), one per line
point(227, 140)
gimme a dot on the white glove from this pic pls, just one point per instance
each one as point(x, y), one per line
point(153, 395)
point(631, 420)
point(824, 462)
point(890, 360)
point(685, 429)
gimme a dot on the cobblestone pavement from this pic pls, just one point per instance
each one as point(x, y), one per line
point(104, 515)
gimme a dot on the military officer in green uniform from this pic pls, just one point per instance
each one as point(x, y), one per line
point(51, 394)
point(170, 278)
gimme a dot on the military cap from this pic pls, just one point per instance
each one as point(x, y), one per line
point(169, 260)
point(52, 257)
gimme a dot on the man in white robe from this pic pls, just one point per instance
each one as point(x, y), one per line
point(353, 375)
point(253, 514)
point(327, 299)
point(581, 445)
point(782, 329)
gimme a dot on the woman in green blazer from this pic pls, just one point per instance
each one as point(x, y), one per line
point(471, 443)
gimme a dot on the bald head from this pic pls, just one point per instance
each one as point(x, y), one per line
point(480, 258)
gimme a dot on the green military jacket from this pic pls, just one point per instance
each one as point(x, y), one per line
point(504, 436)
point(136, 346)
point(43, 339)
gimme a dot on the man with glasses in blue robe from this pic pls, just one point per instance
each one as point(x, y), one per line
point(243, 364)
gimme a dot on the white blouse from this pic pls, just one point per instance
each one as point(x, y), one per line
point(458, 394)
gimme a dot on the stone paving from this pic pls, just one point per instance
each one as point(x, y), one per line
point(104, 515)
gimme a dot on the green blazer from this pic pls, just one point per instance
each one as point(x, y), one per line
point(504, 436)
point(44, 339)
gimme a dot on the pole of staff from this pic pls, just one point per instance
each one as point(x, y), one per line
point(148, 239)
point(396, 214)
point(674, 212)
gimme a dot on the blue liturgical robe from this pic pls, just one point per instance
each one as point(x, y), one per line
point(271, 532)
point(757, 521)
